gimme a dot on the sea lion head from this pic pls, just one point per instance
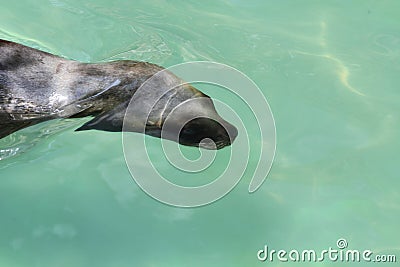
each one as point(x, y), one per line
point(181, 113)
point(195, 122)
point(164, 106)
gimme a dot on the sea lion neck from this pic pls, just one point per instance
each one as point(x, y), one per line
point(122, 77)
point(101, 85)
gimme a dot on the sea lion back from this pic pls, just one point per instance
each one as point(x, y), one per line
point(27, 74)
point(25, 83)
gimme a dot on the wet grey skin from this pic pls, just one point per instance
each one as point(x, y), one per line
point(36, 86)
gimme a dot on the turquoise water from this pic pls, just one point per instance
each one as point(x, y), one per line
point(330, 73)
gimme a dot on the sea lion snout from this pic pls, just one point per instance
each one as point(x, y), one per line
point(195, 122)
point(208, 133)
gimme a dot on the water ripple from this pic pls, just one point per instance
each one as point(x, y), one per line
point(21, 141)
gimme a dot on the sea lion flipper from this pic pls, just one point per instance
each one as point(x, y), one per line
point(82, 113)
point(102, 123)
point(110, 121)
point(94, 124)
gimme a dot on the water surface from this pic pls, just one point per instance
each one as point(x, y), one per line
point(330, 73)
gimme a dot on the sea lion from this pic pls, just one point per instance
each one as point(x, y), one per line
point(36, 86)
